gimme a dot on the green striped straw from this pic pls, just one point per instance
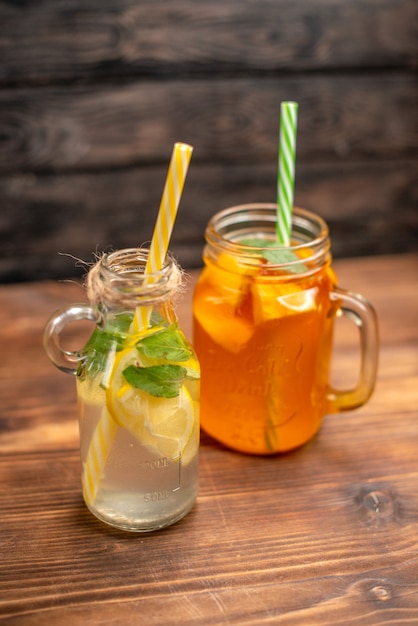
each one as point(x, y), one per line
point(286, 174)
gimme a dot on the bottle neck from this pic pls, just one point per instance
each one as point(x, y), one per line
point(248, 234)
point(118, 281)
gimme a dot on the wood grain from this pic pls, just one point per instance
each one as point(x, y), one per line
point(226, 120)
point(93, 95)
point(97, 39)
point(46, 218)
point(322, 536)
point(319, 536)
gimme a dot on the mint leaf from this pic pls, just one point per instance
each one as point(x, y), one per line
point(102, 343)
point(167, 344)
point(257, 242)
point(276, 255)
point(121, 322)
point(162, 381)
point(97, 350)
point(284, 255)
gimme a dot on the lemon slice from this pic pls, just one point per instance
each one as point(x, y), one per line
point(170, 426)
point(164, 425)
point(275, 300)
point(299, 300)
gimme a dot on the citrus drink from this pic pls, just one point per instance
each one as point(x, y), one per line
point(263, 335)
point(138, 397)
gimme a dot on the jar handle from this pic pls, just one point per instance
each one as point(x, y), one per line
point(356, 308)
point(66, 360)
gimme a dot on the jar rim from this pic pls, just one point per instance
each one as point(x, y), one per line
point(227, 230)
point(300, 217)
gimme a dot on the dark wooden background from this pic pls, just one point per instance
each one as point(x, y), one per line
point(93, 94)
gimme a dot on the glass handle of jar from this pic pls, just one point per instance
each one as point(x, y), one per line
point(66, 360)
point(356, 308)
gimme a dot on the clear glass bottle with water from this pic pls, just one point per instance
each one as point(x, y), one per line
point(138, 386)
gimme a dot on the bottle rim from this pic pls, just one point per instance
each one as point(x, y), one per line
point(119, 278)
point(128, 265)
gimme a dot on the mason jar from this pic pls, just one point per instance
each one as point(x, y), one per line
point(263, 319)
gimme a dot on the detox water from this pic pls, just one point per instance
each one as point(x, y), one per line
point(140, 489)
point(138, 390)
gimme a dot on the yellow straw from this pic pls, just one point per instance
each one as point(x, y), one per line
point(97, 456)
point(177, 171)
point(104, 434)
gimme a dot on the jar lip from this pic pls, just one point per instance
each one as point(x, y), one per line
point(228, 229)
point(226, 219)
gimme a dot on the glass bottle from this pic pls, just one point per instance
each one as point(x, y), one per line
point(138, 385)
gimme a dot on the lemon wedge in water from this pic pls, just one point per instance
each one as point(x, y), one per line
point(164, 425)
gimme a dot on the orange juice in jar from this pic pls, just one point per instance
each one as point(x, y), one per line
point(263, 324)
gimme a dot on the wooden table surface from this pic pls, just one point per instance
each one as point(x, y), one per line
point(325, 535)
